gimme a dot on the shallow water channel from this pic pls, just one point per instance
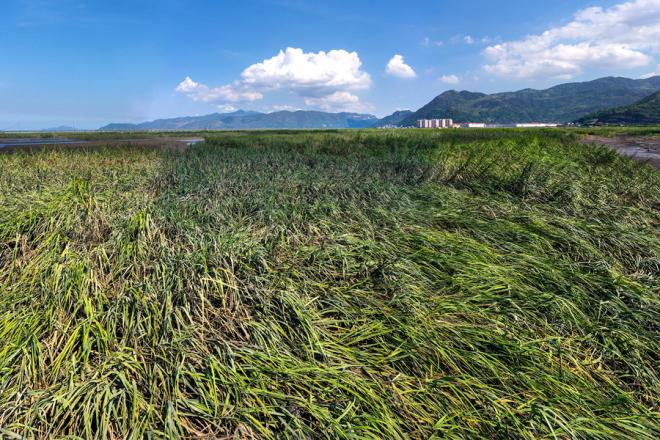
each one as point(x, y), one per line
point(32, 142)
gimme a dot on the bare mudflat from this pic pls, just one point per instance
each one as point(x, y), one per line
point(11, 144)
point(20, 142)
point(645, 149)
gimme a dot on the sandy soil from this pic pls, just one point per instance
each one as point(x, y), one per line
point(644, 149)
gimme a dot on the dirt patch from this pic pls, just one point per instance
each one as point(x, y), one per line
point(644, 149)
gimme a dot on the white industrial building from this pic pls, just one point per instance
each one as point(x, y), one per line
point(535, 124)
point(472, 125)
point(449, 123)
point(435, 123)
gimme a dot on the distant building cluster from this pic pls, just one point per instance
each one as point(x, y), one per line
point(435, 123)
point(449, 123)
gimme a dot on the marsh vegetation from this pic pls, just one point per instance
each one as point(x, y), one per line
point(377, 284)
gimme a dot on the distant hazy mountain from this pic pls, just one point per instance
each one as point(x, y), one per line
point(253, 120)
point(61, 128)
point(644, 112)
point(394, 119)
point(562, 103)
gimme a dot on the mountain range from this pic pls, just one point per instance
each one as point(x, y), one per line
point(644, 112)
point(560, 104)
point(241, 120)
point(61, 128)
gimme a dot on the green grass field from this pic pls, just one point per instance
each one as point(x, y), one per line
point(378, 284)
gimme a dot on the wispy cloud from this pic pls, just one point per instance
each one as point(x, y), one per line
point(652, 74)
point(227, 108)
point(43, 13)
point(283, 107)
point(463, 39)
point(428, 42)
point(450, 79)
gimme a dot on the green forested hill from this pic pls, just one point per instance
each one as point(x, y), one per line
point(562, 103)
point(646, 111)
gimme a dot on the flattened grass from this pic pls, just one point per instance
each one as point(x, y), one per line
point(376, 284)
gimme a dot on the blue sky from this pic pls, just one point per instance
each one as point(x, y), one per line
point(87, 63)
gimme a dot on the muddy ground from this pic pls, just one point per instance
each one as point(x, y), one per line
point(644, 149)
point(11, 145)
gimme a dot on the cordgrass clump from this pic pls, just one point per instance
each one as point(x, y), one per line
point(351, 284)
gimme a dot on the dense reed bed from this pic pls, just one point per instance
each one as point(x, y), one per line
point(377, 284)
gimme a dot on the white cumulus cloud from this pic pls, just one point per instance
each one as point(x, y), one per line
point(623, 36)
point(228, 93)
point(450, 79)
point(338, 101)
point(297, 70)
point(397, 67)
point(321, 79)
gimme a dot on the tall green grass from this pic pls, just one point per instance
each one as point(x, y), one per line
point(650, 131)
point(376, 284)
